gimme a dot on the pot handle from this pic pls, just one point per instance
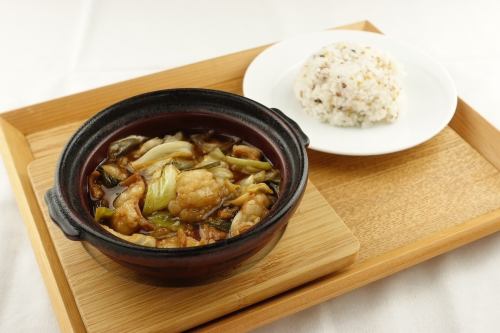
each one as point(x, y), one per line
point(304, 139)
point(59, 216)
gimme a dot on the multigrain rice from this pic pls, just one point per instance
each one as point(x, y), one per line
point(350, 85)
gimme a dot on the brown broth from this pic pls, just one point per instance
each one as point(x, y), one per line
point(212, 218)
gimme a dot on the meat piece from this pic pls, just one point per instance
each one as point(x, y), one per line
point(184, 240)
point(198, 193)
point(256, 206)
point(209, 234)
point(248, 152)
point(251, 213)
point(115, 171)
point(128, 218)
point(135, 191)
point(95, 189)
point(227, 213)
point(185, 237)
point(191, 230)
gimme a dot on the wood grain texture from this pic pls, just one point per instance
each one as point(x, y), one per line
point(98, 285)
point(356, 276)
point(17, 155)
point(405, 207)
point(405, 196)
point(478, 132)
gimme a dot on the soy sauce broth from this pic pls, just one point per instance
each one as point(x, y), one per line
point(182, 190)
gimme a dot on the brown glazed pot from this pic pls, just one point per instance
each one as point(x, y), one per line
point(167, 111)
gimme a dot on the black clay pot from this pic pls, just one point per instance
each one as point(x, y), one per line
point(156, 114)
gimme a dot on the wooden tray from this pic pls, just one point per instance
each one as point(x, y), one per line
point(404, 208)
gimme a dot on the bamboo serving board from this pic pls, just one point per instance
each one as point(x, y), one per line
point(404, 207)
point(110, 301)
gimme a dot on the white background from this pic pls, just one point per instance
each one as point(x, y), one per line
point(53, 48)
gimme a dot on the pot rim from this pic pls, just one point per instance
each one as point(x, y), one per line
point(78, 223)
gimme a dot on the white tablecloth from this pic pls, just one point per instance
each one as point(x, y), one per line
point(52, 48)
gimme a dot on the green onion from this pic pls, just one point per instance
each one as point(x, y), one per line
point(246, 163)
point(163, 220)
point(103, 213)
point(205, 166)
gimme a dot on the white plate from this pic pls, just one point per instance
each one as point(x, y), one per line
point(428, 102)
